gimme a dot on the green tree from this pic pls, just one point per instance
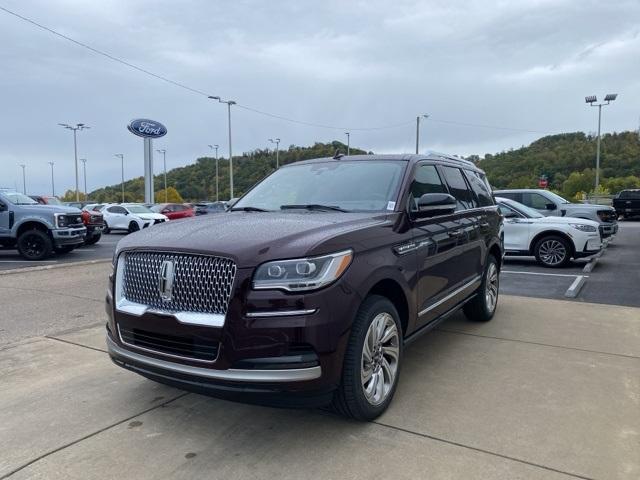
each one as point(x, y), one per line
point(173, 196)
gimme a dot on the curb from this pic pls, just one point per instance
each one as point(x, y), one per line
point(588, 268)
point(40, 268)
point(576, 286)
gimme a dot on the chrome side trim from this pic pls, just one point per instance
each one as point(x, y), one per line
point(132, 308)
point(236, 375)
point(450, 296)
point(281, 313)
point(158, 352)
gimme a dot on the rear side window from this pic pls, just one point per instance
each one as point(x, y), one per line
point(459, 189)
point(480, 188)
point(535, 200)
point(630, 194)
point(426, 180)
point(116, 210)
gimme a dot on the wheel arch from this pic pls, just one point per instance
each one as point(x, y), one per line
point(550, 233)
point(391, 289)
point(31, 225)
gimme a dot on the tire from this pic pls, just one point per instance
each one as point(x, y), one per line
point(93, 240)
point(64, 249)
point(34, 245)
point(553, 251)
point(133, 227)
point(106, 229)
point(351, 399)
point(483, 306)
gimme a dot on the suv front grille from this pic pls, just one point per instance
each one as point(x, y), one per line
point(607, 215)
point(201, 284)
point(182, 346)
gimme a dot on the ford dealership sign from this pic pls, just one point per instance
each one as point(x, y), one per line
point(143, 127)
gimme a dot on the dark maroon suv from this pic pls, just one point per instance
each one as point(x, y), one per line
point(307, 291)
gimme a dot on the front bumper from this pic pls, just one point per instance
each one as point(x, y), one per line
point(274, 348)
point(592, 246)
point(68, 236)
point(608, 229)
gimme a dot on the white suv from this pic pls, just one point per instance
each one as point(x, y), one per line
point(129, 217)
point(553, 240)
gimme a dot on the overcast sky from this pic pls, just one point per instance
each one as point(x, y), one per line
point(524, 64)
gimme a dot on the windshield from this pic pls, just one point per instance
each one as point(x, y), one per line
point(138, 209)
point(523, 209)
point(19, 199)
point(351, 185)
point(557, 197)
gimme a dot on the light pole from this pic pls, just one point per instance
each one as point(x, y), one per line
point(84, 172)
point(53, 185)
point(24, 178)
point(78, 126)
point(277, 142)
point(164, 161)
point(229, 103)
point(591, 100)
point(348, 134)
point(121, 156)
point(418, 131)
point(215, 147)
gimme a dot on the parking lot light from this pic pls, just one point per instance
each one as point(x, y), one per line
point(164, 161)
point(348, 134)
point(121, 157)
point(277, 142)
point(215, 147)
point(229, 103)
point(418, 131)
point(591, 100)
point(24, 178)
point(75, 128)
point(84, 171)
point(53, 185)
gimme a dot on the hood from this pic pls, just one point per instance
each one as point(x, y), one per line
point(251, 238)
point(150, 216)
point(47, 209)
point(589, 206)
point(563, 221)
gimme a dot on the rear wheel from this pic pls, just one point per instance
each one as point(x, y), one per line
point(34, 245)
point(133, 227)
point(553, 251)
point(482, 307)
point(106, 228)
point(372, 361)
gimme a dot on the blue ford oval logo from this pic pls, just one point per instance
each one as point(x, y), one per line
point(143, 127)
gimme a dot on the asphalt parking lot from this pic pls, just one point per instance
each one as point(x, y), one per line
point(549, 389)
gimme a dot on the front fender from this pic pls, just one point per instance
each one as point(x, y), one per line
point(20, 220)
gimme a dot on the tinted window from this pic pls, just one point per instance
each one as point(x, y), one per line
point(459, 189)
point(630, 194)
point(506, 211)
point(426, 180)
point(535, 200)
point(480, 188)
point(517, 197)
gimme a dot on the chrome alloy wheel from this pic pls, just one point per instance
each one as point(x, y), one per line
point(491, 287)
point(380, 355)
point(552, 252)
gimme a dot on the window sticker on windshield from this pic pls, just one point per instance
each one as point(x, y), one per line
point(391, 205)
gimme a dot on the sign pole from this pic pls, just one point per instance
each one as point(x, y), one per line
point(148, 171)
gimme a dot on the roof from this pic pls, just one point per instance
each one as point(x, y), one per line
point(404, 157)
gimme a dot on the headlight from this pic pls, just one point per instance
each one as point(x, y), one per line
point(61, 221)
point(302, 274)
point(584, 228)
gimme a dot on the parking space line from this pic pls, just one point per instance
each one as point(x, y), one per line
point(544, 274)
point(25, 261)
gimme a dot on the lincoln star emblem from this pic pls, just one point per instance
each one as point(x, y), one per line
point(165, 280)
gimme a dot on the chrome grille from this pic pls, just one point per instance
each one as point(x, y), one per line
point(202, 284)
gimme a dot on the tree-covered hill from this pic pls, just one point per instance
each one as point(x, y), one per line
point(568, 160)
point(198, 181)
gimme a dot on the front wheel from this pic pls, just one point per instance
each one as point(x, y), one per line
point(106, 228)
point(34, 245)
point(372, 361)
point(93, 240)
point(482, 307)
point(553, 251)
point(133, 227)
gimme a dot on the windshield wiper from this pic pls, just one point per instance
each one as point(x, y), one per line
point(248, 209)
point(312, 206)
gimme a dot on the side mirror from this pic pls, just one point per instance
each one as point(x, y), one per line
point(550, 206)
point(126, 213)
point(432, 204)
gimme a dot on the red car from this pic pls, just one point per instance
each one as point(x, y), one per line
point(174, 211)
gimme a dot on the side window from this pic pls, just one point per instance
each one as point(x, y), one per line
point(426, 180)
point(459, 189)
point(535, 200)
point(507, 211)
point(480, 188)
point(516, 197)
point(113, 209)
